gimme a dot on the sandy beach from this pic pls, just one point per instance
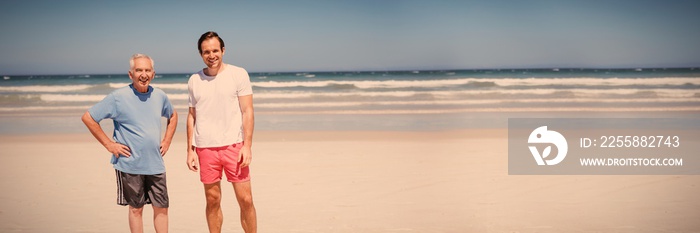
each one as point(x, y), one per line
point(345, 181)
point(369, 116)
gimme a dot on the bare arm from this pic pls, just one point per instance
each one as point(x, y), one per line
point(169, 132)
point(246, 104)
point(192, 159)
point(115, 148)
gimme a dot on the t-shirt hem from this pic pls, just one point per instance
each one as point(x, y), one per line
point(139, 172)
point(217, 145)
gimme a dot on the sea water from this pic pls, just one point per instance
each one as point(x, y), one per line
point(380, 100)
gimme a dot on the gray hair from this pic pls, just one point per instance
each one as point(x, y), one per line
point(136, 56)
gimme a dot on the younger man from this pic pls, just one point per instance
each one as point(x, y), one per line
point(220, 131)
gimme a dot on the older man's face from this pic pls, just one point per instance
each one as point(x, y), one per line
point(141, 74)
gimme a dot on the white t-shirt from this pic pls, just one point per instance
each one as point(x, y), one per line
point(218, 119)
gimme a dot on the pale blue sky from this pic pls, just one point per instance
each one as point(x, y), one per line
point(97, 37)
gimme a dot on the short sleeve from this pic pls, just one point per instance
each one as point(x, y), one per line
point(167, 107)
point(191, 101)
point(244, 86)
point(105, 109)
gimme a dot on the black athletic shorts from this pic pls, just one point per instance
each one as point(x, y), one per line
point(138, 190)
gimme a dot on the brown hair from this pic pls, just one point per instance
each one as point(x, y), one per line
point(208, 35)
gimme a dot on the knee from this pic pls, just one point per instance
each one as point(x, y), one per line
point(213, 199)
point(136, 211)
point(159, 210)
point(245, 202)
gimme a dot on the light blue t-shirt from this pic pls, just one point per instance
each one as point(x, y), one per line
point(137, 124)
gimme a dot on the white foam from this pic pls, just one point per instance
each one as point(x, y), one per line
point(599, 94)
point(275, 84)
point(70, 98)
point(467, 110)
point(171, 86)
point(45, 88)
point(178, 97)
point(406, 111)
point(92, 98)
point(42, 108)
point(672, 81)
point(164, 86)
point(578, 92)
point(435, 103)
point(118, 85)
point(504, 82)
point(295, 95)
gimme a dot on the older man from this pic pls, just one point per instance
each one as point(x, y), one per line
point(136, 146)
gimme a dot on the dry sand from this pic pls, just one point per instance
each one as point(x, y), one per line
point(345, 182)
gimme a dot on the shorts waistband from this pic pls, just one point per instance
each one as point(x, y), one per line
point(237, 144)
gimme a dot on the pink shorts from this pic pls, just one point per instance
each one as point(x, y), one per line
point(215, 159)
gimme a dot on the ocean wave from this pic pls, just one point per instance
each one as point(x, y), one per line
point(182, 97)
point(669, 81)
point(19, 99)
point(464, 82)
point(366, 84)
point(436, 107)
point(666, 93)
point(403, 111)
point(309, 110)
point(91, 98)
point(118, 85)
point(486, 82)
point(296, 95)
point(45, 88)
point(276, 84)
point(476, 110)
point(164, 86)
point(71, 98)
point(43, 108)
point(480, 84)
point(174, 97)
point(171, 86)
point(468, 102)
point(463, 94)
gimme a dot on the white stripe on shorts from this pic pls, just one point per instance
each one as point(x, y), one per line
point(120, 192)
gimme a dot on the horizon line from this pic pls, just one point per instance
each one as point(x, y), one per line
point(392, 70)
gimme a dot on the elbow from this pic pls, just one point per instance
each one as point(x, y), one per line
point(247, 111)
point(87, 118)
point(173, 118)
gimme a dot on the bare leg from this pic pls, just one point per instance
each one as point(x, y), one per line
point(244, 196)
point(136, 219)
point(214, 215)
point(160, 219)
